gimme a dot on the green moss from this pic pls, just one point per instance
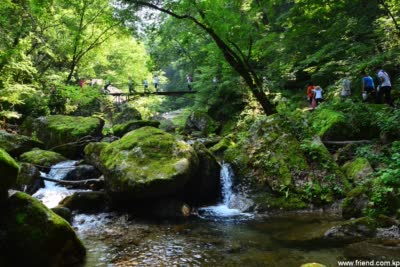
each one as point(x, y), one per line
point(73, 125)
point(357, 169)
point(9, 172)
point(42, 158)
point(16, 144)
point(41, 236)
point(324, 119)
point(121, 129)
point(147, 159)
point(222, 145)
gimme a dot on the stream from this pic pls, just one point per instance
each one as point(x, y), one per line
point(220, 236)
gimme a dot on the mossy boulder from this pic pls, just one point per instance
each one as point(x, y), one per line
point(352, 231)
point(93, 151)
point(67, 135)
point(38, 236)
point(269, 159)
point(16, 144)
point(126, 113)
point(9, 172)
point(344, 122)
point(200, 122)
point(29, 180)
point(358, 169)
point(313, 264)
point(146, 163)
point(356, 202)
point(82, 172)
point(222, 145)
point(43, 159)
point(121, 129)
point(204, 187)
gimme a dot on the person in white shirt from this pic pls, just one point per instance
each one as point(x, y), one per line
point(156, 81)
point(385, 87)
point(317, 91)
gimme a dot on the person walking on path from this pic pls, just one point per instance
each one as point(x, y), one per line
point(130, 85)
point(189, 80)
point(156, 81)
point(146, 86)
point(310, 94)
point(385, 87)
point(346, 88)
point(318, 94)
point(368, 86)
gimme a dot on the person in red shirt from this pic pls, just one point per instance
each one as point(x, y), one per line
point(310, 93)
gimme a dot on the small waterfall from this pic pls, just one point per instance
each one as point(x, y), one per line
point(224, 209)
point(52, 193)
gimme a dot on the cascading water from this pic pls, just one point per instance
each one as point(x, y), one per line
point(52, 193)
point(224, 209)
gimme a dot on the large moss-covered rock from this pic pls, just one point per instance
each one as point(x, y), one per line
point(358, 169)
point(9, 172)
point(204, 187)
point(38, 236)
point(121, 129)
point(200, 122)
point(126, 113)
point(373, 250)
point(29, 180)
point(356, 202)
point(347, 122)
point(42, 158)
point(146, 163)
point(274, 164)
point(67, 135)
point(93, 151)
point(16, 144)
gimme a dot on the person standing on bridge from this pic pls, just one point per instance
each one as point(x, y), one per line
point(130, 85)
point(146, 86)
point(156, 81)
point(189, 80)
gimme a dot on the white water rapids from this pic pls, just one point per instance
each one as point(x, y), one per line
point(52, 193)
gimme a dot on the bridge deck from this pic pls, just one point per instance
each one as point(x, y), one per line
point(121, 96)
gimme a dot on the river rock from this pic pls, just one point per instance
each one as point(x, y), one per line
point(88, 202)
point(29, 180)
point(121, 129)
point(200, 122)
point(82, 172)
point(356, 202)
point(93, 151)
point(67, 135)
point(146, 163)
point(269, 158)
point(16, 144)
point(36, 236)
point(352, 230)
point(204, 187)
point(357, 169)
point(9, 172)
point(344, 124)
point(43, 159)
point(378, 250)
point(126, 113)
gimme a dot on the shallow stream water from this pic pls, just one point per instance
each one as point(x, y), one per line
point(221, 235)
